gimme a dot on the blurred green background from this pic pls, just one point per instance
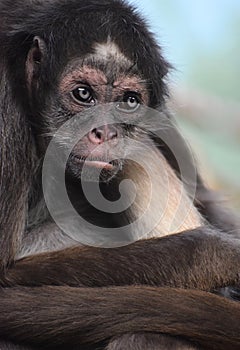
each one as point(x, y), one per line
point(202, 40)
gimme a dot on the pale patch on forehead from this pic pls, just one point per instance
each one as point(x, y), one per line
point(110, 51)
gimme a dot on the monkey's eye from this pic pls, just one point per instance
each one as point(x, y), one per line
point(130, 103)
point(83, 95)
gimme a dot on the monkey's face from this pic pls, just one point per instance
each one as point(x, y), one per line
point(105, 90)
point(100, 87)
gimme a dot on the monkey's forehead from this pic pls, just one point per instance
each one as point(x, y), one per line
point(107, 61)
point(109, 50)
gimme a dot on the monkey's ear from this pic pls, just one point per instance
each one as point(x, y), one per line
point(34, 60)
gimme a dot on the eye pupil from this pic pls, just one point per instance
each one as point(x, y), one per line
point(84, 93)
point(132, 100)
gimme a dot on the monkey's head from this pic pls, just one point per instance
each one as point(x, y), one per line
point(69, 56)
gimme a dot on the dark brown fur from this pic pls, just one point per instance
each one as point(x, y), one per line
point(82, 297)
point(92, 316)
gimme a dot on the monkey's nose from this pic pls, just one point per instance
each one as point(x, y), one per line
point(103, 134)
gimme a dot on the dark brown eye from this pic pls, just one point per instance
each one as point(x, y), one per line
point(130, 103)
point(83, 95)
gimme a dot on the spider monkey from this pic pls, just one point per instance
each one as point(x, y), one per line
point(62, 59)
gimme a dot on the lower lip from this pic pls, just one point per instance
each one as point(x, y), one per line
point(96, 164)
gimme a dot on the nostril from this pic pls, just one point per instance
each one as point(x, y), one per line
point(98, 133)
point(112, 134)
point(96, 136)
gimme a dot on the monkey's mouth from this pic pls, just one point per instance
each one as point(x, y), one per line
point(91, 169)
point(98, 164)
point(95, 163)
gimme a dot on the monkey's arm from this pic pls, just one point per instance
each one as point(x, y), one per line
point(76, 316)
point(201, 258)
